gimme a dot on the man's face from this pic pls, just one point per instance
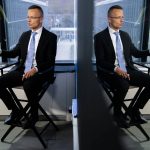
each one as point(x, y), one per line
point(116, 19)
point(34, 19)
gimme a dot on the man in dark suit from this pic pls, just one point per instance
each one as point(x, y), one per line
point(45, 45)
point(120, 78)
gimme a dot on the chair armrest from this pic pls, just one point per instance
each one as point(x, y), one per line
point(6, 65)
point(46, 70)
point(52, 78)
point(143, 65)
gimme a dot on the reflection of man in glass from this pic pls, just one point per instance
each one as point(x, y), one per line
point(42, 45)
point(110, 44)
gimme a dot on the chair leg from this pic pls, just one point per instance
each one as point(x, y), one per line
point(48, 118)
point(34, 128)
point(143, 131)
point(23, 111)
point(135, 98)
point(7, 132)
point(25, 115)
point(126, 108)
point(39, 137)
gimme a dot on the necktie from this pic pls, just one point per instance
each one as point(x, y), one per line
point(30, 55)
point(119, 52)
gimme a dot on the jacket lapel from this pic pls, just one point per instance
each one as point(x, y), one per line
point(109, 41)
point(42, 38)
point(26, 42)
point(124, 43)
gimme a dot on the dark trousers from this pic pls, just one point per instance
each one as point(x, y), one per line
point(121, 86)
point(31, 87)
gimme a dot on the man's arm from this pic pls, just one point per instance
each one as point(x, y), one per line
point(101, 50)
point(13, 52)
point(135, 51)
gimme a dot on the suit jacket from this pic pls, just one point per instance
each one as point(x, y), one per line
point(105, 53)
point(45, 54)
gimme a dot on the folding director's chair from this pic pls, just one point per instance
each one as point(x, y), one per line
point(25, 111)
point(109, 91)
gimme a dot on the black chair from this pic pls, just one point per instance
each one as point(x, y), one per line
point(127, 108)
point(25, 111)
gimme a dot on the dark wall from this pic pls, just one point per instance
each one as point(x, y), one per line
point(96, 130)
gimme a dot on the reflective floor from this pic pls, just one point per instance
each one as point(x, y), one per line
point(20, 139)
point(134, 139)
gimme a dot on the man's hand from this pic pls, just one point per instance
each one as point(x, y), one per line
point(29, 73)
point(122, 73)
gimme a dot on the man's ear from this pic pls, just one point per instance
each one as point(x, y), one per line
point(109, 20)
point(41, 20)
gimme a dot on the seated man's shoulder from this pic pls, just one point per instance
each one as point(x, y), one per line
point(51, 34)
point(124, 32)
point(100, 34)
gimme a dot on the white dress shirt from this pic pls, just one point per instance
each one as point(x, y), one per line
point(37, 38)
point(113, 38)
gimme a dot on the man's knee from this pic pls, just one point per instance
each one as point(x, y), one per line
point(124, 86)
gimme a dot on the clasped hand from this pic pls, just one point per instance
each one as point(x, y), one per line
point(29, 73)
point(122, 73)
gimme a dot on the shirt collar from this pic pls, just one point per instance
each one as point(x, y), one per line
point(112, 30)
point(38, 31)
